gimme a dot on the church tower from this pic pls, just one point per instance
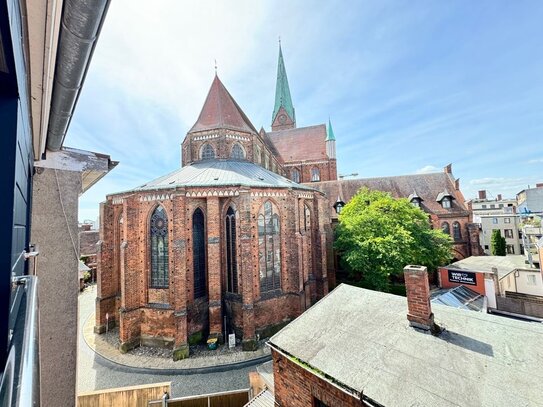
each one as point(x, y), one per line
point(330, 142)
point(283, 116)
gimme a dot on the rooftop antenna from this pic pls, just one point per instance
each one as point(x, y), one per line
point(215, 67)
point(279, 40)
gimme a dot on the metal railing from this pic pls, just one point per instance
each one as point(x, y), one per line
point(20, 382)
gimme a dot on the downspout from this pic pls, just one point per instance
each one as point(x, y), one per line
point(82, 21)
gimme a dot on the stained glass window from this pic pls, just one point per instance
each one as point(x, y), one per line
point(457, 233)
point(315, 174)
point(446, 228)
point(159, 248)
point(295, 174)
point(199, 253)
point(258, 155)
point(231, 259)
point(237, 152)
point(269, 248)
point(208, 152)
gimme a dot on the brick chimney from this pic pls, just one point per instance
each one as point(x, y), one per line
point(448, 169)
point(499, 198)
point(539, 185)
point(419, 310)
point(482, 194)
point(85, 227)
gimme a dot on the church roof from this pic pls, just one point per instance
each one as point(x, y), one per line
point(301, 144)
point(428, 186)
point(215, 173)
point(220, 111)
point(282, 90)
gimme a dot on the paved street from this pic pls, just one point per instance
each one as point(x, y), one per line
point(96, 373)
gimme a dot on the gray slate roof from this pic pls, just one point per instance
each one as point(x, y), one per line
point(362, 339)
point(215, 173)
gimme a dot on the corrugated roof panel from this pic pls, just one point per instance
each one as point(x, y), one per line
point(263, 399)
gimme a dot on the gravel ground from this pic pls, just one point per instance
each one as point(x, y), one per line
point(95, 373)
point(197, 351)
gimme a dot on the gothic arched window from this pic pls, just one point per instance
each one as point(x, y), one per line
point(231, 253)
point(159, 248)
point(237, 152)
point(199, 253)
point(269, 248)
point(258, 155)
point(315, 174)
point(295, 174)
point(457, 233)
point(208, 152)
point(446, 228)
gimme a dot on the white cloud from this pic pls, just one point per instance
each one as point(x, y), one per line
point(536, 161)
point(427, 169)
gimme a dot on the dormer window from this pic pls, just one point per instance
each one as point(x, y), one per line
point(445, 199)
point(207, 152)
point(338, 206)
point(415, 199)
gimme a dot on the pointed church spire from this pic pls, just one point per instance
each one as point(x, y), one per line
point(283, 101)
point(330, 132)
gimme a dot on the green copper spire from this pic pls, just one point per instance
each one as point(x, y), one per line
point(282, 91)
point(330, 132)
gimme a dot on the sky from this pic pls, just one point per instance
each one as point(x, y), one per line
point(409, 86)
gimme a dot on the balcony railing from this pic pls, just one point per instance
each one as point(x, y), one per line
point(20, 381)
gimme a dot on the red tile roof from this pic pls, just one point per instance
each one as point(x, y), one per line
point(301, 144)
point(220, 111)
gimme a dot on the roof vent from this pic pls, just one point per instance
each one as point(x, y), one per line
point(261, 178)
point(216, 178)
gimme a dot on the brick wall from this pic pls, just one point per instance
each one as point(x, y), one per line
point(295, 386)
point(173, 312)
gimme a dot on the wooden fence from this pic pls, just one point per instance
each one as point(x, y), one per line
point(134, 396)
point(236, 398)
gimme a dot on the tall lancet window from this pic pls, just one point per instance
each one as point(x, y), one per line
point(231, 253)
point(269, 248)
point(159, 248)
point(199, 253)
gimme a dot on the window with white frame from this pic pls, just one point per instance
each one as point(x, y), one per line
point(531, 279)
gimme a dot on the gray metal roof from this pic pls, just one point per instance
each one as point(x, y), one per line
point(504, 264)
point(362, 339)
point(215, 173)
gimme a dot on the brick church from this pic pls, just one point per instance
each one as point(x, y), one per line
point(239, 239)
point(232, 242)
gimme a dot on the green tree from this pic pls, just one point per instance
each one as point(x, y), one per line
point(379, 235)
point(497, 243)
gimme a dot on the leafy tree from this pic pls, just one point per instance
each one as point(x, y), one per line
point(497, 243)
point(379, 235)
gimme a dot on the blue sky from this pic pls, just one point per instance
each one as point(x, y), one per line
point(410, 86)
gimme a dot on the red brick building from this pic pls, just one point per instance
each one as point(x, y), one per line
point(437, 194)
point(225, 244)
